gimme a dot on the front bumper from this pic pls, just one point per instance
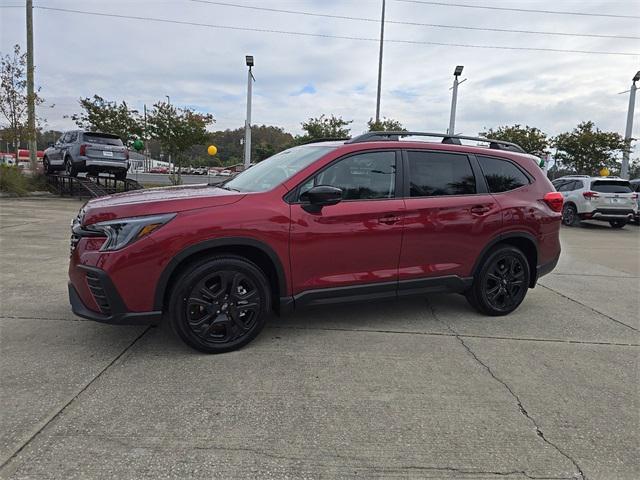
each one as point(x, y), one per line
point(112, 308)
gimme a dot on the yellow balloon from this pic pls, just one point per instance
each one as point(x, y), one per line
point(212, 150)
point(604, 172)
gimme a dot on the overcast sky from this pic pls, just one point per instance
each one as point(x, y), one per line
point(297, 77)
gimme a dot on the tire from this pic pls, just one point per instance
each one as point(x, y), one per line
point(208, 315)
point(121, 175)
point(570, 216)
point(70, 168)
point(618, 223)
point(501, 283)
point(46, 166)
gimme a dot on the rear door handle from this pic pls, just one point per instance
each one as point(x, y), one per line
point(389, 219)
point(480, 209)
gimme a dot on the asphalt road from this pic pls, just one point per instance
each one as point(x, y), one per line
point(422, 388)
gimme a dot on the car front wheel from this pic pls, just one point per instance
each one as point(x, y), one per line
point(219, 304)
point(502, 282)
point(70, 168)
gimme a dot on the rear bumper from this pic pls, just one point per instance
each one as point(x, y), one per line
point(112, 308)
point(543, 269)
point(609, 214)
point(100, 163)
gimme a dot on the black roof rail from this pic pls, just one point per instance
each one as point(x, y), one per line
point(324, 139)
point(450, 139)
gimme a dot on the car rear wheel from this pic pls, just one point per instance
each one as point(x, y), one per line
point(70, 168)
point(617, 223)
point(46, 166)
point(570, 216)
point(220, 304)
point(501, 283)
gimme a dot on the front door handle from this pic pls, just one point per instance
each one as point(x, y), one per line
point(389, 219)
point(480, 209)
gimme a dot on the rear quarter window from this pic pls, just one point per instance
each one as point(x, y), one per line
point(502, 175)
point(611, 186)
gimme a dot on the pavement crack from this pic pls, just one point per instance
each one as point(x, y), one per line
point(521, 407)
point(46, 422)
point(590, 308)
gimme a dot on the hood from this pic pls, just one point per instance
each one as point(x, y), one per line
point(154, 201)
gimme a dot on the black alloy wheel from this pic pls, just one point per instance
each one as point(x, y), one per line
point(570, 216)
point(46, 166)
point(220, 304)
point(69, 168)
point(502, 282)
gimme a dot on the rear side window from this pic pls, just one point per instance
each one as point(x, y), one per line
point(102, 139)
point(611, 186)
point(433, 174)
point(501, 175)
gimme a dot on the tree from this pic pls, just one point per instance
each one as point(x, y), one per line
point(587, 149)
point(178, 129)
point(105, 116)
point(531, 139)
point(13, 96)
point(266, 140)
point(324, 127)
point(385, 125)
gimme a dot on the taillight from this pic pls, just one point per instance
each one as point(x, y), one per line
point(554, 200)
point(634, 196)
point(83, 150)
point(589, 195)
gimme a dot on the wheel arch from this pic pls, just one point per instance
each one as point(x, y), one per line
point(253, 250)
point(524, 241)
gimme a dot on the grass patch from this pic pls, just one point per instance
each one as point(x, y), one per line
point(14, 182)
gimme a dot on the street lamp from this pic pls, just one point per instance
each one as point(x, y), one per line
point(624, 171)
point(247, 125)
point(454, 99)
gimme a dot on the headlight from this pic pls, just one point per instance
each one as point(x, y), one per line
point(124, 231)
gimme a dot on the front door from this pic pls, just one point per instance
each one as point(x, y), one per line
point(356, 241)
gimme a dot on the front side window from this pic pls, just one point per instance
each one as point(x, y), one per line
point(433, 174)
point(502, 175)
point(271, 172)
point(365, 176)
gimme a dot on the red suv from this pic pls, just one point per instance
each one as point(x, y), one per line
point(376, 216)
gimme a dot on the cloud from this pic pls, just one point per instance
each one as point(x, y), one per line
point(307, 89)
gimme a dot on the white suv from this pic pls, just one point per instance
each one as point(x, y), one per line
point(609, 199)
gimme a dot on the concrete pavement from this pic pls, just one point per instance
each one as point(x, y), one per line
point(423, 388)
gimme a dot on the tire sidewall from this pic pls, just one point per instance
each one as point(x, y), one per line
point(191, 276)
point(573, 217)
point(480, 297)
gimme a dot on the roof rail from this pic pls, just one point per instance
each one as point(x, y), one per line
point(451, 139)
point(324, 139)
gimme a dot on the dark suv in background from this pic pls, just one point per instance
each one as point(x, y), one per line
point(371, 217)
point(92, 152)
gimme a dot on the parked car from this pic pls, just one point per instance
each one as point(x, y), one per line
point(159, 170)
point(607, 199)
point(225, 173)
point(82, 151)
point(200, 171)
point(372, 217)
point(635, 186)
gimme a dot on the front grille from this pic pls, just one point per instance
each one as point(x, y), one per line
point(99, 295)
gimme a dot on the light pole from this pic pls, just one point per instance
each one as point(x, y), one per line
point(31, 96)
point(169, 103)
point(247, 125)
point(627, 134)
point(380, 63)
point(454, 99)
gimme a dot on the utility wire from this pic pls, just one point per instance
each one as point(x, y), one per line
point(321, 35)
point(525, 10)
point(418, 24)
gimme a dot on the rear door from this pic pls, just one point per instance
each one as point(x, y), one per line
point(450, 216)
point(612, 194)
point(356, 241)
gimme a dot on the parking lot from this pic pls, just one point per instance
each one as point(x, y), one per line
point(420, 388)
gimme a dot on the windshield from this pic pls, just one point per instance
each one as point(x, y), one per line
point(274, 170)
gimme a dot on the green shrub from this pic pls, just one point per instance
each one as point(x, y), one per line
point(13, 181)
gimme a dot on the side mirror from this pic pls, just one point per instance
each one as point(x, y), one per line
point(320, 196)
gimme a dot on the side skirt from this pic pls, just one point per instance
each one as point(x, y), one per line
point(375, 291)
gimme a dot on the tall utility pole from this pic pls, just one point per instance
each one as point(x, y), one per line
point(247, 125)
point(627, 134)
point(380, 63)
point(454, 100)
point(169, 103)
point(31, 97)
